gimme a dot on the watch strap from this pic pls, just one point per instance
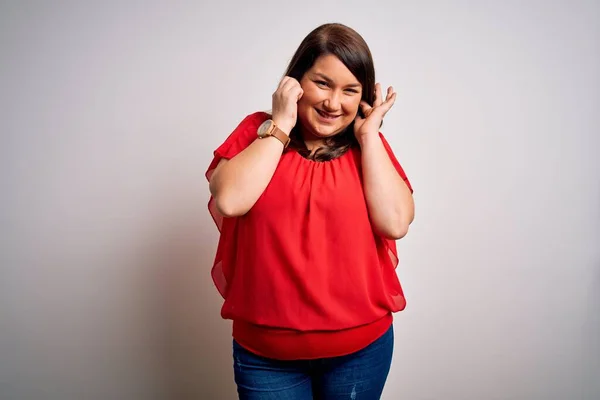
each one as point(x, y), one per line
point(280, 135)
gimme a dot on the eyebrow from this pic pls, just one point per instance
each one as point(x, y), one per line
point(325, 77)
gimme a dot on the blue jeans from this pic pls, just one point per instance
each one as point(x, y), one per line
point(357, 376)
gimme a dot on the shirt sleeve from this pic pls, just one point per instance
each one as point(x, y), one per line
point(389, 244)
point(395, 162)
point(241, 137)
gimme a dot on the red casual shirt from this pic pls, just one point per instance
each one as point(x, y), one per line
point(302, 273)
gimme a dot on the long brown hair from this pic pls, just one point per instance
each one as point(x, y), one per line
point(352, 50)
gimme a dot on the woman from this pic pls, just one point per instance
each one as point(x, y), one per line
point(309, 201)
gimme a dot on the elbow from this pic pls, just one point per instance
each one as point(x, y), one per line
point(396, 232)
point(230, 204)
point(400, 228)
point(225, 203)
point(228, 208)
point(395, 229)
point(394, 225)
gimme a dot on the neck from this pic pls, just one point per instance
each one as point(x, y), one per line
point(311, 141)
point(313, 144)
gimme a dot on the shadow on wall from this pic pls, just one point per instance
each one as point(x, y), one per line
point(192, 342)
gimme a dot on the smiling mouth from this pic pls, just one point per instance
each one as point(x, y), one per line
point(326, 115)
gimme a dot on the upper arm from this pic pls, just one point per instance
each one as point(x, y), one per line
point(211, 180)
point(241, 137)
point(395, 162)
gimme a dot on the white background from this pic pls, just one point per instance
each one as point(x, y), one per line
point(109, 116)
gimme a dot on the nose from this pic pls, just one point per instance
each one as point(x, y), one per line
point(333, 102)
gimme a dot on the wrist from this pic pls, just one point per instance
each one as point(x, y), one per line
point(284, 126)
point(368, 139)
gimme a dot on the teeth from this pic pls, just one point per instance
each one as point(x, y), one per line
point(326, 115)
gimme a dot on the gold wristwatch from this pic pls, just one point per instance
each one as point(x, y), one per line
point(268, 128)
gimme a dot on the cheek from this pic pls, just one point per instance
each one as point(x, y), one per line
point(306, 99)
point(311, 97)
point(307, 102)
point(303, 102)
point(352, 106)
point(303, 108)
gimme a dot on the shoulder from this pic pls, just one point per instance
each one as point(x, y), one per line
point(254, 120)
point(245, 131)
point(386, 144)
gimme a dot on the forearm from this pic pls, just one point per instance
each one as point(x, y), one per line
point(389, 200)
point(238, 183)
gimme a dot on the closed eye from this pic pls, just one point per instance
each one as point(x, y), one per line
point(322, 83)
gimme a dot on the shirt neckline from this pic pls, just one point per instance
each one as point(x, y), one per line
point(297, 154)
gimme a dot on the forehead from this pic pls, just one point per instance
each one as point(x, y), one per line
point(331, 66)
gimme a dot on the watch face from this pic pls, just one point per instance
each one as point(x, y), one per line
point(264, 128)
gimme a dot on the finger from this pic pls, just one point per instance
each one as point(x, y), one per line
point(279, 90)
point(364, 105)
point(378, 97)
point(390, 92)
point(289, 85)
point(366, 108)
point(284, 91)
point(291, 89)
point(283, 81)
point(295, 92)
point(385, 107)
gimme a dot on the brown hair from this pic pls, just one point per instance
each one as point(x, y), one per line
point(352, 50)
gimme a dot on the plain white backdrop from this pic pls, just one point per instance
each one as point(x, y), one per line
point(111, 111)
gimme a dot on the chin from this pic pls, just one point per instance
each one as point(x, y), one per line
point(322, 132)
point(326, 130)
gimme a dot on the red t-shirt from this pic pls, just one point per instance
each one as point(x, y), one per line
point(302, 273)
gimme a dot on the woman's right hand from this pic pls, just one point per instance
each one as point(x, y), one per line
point(285, 103)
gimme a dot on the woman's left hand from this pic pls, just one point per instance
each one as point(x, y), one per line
point(373, 115)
